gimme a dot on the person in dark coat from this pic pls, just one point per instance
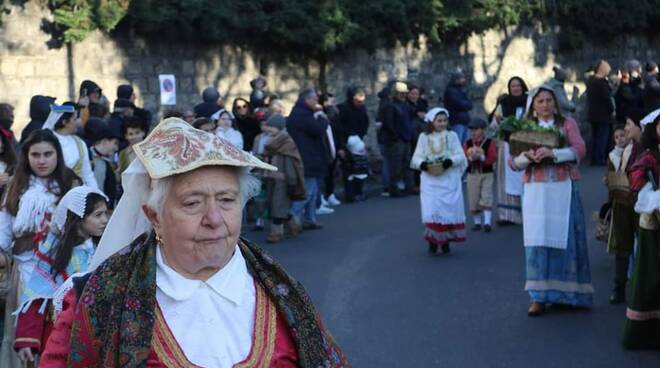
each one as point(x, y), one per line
point(600, 112)
point(384, 99)
point(126, 92)
point(211, 103)
point(418, 108)
point(6, 122)
point(39, 110)
point(246, 122)
point(327, 100)
point(123, 110)
point(396, 134)
point(458, 103)
point(628, 97)
point(307, 125)
point(353, 115)
point(651, 95)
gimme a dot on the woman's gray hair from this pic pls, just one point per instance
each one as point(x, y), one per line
point(249, 186)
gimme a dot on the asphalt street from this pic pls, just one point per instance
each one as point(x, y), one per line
point(390, 304)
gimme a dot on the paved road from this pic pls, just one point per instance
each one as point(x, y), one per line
point(389, 304)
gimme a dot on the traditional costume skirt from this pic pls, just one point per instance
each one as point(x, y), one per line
point(443, 211)
point(508, 205)
point(562, 276)
point(624, 225)
point(642, 328)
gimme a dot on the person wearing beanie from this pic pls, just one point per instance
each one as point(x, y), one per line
point(566, 105)
point(258, 97)
point(105, 145)
point(481, 153)
point(211, 103)
point(126, 92)
point(39, 110)
point(123, 110)
point(651, 95)
point(288, 183)
point(459, 104)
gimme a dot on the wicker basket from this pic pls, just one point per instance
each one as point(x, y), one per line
point(435, 169)
point(523, 141)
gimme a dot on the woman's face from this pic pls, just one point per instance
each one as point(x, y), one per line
point(42, 158)
point(413, 95)
point(200, 222)
point(544, 105)
point(94, 224)
point(241, 108)
point(516, 88)
point(208, 127)
point(440, 122)
point(224, 121)
point(632, 130)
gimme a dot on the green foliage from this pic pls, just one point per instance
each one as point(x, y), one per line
point(320, 28)
point(78, 18)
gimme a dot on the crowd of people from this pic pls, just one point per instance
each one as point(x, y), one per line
point(75, 161)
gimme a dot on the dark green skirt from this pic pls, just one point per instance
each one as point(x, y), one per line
point(642, 328)
point(625, 222)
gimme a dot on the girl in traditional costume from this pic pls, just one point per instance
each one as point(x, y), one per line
point(509, 182)
point(81, 216)
point(642, 328)
point(441, 195)
point(553, 219)
point(63, 121)
point(624, 219)
point(41, 178)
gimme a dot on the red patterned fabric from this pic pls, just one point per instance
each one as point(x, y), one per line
point(285, 354)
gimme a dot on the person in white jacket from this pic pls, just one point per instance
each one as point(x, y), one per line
point(63, 121)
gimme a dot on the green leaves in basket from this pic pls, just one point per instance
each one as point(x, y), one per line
point(512, 124)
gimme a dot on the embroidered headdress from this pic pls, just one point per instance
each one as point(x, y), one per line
point(173, 147)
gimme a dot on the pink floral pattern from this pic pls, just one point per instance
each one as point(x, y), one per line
point(176, 147)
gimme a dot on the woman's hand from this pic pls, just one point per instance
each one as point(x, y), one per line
point(26, 354)
point(542, 153)
point(4, 179)
point(530, 154)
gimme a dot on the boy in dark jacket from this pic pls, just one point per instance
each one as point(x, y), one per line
point(104, 145)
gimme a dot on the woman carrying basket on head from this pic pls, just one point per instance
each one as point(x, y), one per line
point(553, 219)
point(440, 157)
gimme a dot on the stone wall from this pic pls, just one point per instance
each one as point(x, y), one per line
point(29, 64)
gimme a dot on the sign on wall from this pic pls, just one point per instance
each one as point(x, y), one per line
point(167, 89)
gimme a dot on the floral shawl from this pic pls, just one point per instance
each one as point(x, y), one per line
point(116, 310)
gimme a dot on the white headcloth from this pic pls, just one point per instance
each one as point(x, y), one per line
point(431, 114)
point(75, 200)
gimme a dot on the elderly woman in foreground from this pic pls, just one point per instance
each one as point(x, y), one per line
point(187, 291)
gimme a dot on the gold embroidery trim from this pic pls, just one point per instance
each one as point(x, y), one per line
point(169, 352)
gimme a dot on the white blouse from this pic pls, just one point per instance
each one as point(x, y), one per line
point(212, 321)
point(71, 153)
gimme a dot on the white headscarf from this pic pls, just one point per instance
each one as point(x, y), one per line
point(648, 119)
point(56, 111)
point(75, 200)
point(431, 114)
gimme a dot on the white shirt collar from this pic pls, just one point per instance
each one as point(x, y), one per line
point(547, 124)
point(229, 282)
